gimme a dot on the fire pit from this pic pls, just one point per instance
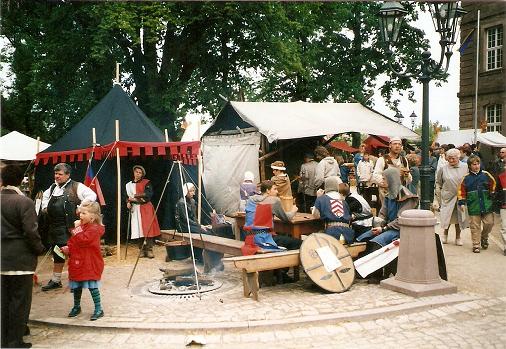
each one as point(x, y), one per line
point(182, 282)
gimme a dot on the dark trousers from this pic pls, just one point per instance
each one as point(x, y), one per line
point(16, 303)
point(307, 202)
point(287, 241)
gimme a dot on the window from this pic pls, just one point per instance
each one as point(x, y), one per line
point(494, 117)
point(494, 48)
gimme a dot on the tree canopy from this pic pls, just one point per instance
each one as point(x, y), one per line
point(178, 57)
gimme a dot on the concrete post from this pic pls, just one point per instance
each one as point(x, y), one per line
point(417, 268)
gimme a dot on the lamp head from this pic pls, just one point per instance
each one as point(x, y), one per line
point(391, 17)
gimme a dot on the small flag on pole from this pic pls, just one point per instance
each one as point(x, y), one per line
point(92, 182)
point(467, 41)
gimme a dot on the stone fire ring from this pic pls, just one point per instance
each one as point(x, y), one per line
point(183, 290)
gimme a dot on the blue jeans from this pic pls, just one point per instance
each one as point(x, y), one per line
point(382, 239)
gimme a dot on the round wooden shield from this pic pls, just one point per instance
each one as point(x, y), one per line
point(327, 262)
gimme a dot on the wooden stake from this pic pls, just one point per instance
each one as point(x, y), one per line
point(117, 72)
point(166, 135)
point(118, 196)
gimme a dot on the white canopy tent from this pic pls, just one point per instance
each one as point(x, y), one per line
point(459, 137)
point(231, 145)
point(302, 119)
point(19, 147)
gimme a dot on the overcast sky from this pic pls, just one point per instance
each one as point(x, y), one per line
point(443, 102)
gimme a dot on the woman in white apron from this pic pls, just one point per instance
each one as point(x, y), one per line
point(448, 179)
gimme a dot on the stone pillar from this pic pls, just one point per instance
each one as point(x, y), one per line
point(417, 268)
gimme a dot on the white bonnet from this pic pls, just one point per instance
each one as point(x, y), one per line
point(186, 187)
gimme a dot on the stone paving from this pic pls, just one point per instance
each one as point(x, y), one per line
point(296, 315)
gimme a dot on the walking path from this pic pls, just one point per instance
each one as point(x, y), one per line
point(287, 316)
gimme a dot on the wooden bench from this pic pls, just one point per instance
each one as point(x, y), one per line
point(252, 265)
point(209, 242)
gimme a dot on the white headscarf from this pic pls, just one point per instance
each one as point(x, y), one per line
point(186, 188)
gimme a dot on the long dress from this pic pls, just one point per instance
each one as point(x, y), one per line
point(143, 220)
point(448, 179)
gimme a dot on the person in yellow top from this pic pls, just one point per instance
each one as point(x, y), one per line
point(281, 179)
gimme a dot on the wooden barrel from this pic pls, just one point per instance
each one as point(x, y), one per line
point(286, 203)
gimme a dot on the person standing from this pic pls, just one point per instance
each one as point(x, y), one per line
point(475, 192)
point(327, 166)
point(307, 182)
point(60, 202)
point(144, 223)
point(86, 263)
point(21, 244)
point(448, 179)
point(392, 159)
point(365, 168)
point(281, 179)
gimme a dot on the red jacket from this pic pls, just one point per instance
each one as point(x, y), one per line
point(85, 257)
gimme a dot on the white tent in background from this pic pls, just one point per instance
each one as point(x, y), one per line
point(191, 132)
point(231, 145)
point(459, 137)
point(19, 147)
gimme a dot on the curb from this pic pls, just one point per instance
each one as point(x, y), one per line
point(359, 315)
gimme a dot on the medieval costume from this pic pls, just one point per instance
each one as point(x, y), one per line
point(334, 211)
point(448, 179)
point(144, 223)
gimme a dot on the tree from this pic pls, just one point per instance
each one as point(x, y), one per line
point(179, 56)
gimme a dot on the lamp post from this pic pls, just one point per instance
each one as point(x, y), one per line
point(446, 17)
point(399, 117)
point(413, 119)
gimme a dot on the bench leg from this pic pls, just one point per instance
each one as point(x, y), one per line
point(250, 284)
point(296, 274)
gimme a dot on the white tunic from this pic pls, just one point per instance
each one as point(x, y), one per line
point(135, 219)
point(448, 179)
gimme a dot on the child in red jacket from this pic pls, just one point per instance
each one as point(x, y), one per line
point(85, 258)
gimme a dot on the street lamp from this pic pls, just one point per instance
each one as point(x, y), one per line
point(413, 119)
point(399, 117)
point(446, 17)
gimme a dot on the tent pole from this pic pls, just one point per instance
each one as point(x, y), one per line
point(118, 196)
point(199, 168)
point(166, 135)
point(94, 136)
point(262, 162)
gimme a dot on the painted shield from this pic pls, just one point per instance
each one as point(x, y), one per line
point(327, 262)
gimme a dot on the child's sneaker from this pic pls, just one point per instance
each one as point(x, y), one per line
point(484, 244)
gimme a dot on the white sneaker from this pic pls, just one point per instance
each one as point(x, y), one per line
point(444, 239)
point(459, 242)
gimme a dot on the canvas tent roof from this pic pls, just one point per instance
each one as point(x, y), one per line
point(19, 147)
point(116, 105)
point(459, 137)
point(278, 120)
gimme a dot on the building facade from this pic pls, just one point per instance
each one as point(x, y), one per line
point(491, 70)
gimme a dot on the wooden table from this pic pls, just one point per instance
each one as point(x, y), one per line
point(301, 224)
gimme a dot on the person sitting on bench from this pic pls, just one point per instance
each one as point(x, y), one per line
point(397, 200)
point(212, 260)
point(260, 209)
point(259, 224)
point(334, 211)
point(361, 215)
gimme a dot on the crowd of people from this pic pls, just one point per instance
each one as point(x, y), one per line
point(464, 193)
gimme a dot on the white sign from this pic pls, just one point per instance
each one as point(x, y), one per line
point(329, 259)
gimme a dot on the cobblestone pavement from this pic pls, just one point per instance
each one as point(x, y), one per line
point(287, 316)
